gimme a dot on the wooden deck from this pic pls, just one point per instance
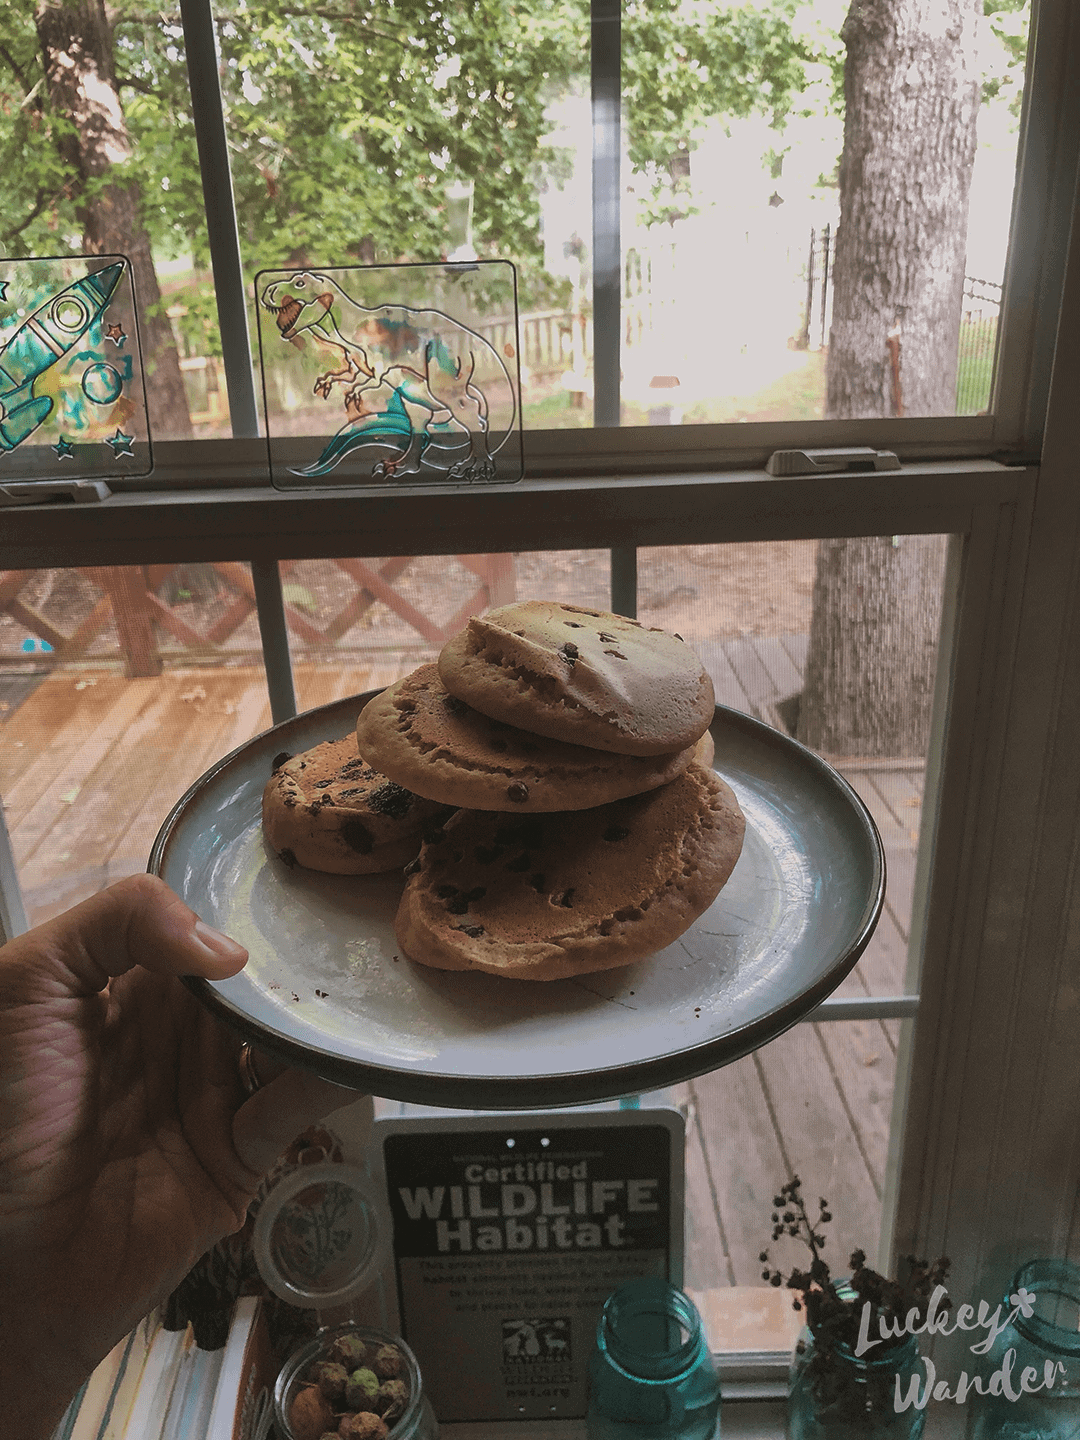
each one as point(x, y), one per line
point(91, 762)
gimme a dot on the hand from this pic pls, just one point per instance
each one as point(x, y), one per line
point(127, 1147)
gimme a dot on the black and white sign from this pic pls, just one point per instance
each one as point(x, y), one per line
point(510, 1232)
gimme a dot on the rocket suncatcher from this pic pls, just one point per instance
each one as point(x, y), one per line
point(41, 340)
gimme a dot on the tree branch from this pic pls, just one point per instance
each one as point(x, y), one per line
point(44, 200)
point(344, 19)
point(15, 68)
point(139, 86)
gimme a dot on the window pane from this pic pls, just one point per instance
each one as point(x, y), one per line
point(760, 281)
point(120, 686)
point(114, 698)
point(98, 156)
point(834, 642)
point(418, 133)
point(792, 255)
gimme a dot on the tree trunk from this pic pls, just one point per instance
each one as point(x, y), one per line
point(77, 52)
point(912, 96)
point(873, 645)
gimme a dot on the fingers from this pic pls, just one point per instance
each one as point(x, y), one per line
point(138, 921)
point(268, 1121)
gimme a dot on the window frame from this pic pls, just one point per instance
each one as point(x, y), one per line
point(1008, 670)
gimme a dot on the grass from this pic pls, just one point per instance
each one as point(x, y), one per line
point(975, 366)
point(797, 395)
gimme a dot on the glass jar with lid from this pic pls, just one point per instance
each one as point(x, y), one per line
point(351, 1364)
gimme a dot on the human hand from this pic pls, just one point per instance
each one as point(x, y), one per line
point(127, 1146)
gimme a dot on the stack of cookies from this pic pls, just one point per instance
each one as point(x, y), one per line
point(558, 767)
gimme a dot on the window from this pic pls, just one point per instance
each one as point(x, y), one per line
point(993, 914)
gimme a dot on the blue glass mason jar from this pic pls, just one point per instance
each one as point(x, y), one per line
point(838, 1395)
point(651, 1375)
point(1045, 1345)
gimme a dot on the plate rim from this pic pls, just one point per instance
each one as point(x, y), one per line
point(563, 1088)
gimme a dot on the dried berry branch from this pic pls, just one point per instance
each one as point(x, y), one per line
point(834, 1307)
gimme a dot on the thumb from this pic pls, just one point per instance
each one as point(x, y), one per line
point(138, 921)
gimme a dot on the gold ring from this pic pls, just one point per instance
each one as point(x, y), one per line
point(249, 1076)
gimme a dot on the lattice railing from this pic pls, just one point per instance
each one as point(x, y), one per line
point(132, 598)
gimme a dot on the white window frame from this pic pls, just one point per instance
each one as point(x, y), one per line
point(989, 1068)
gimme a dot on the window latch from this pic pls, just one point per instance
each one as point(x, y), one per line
point(829, 461)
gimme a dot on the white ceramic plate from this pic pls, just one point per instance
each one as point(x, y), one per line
point(327, 987)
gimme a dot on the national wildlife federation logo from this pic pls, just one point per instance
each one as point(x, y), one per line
point(536, 1342)
point(72, 402)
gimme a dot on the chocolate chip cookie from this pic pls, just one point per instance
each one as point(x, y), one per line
point(327, 809)
point(544, 897)
point(584, 676)
point(438, 746)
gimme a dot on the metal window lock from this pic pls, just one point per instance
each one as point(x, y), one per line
point(40, 492)
point(829, 461)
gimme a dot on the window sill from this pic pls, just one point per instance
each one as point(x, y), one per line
point(739, 1420)
point(239, 520)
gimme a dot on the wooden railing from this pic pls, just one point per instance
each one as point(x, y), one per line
point(131, 596)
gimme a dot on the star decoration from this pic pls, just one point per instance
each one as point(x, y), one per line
point(121, 443)
point(115, 333)
point(64, 448)
point(3, 289)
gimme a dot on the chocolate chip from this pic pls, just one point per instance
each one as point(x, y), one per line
point(289, 802)
point(538, 882)
point(287, 857)
point(521, 863)
point(348, 794)
point(322, 784)
point(477, 893)
point(358, 837)
point(458, 906)
point(392, 800)
point(566, 898)
point(616, 832)
point(607, 639)
point(570, 650)
point(446, 892)
point(322, 994)
point(473, 930)
point(326, 800)
point(517, 791)
point(573, 624)
point(678, 636)
point(487, 855)
point(617, 653)
point(279, 760)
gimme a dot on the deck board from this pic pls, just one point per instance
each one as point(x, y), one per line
point(746, 1159)
point(784, 674)
point(824, 1151)
point(88, 774)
